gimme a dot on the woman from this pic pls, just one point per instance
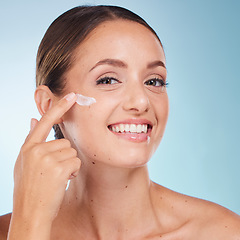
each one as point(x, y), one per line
point(112, 55)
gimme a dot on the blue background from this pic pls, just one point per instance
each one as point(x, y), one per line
point(199, 154)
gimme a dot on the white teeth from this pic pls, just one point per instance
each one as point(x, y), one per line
point(139, 128)
point(145, 128)
point(132, 128)
point(121, 127)
point(127, 128)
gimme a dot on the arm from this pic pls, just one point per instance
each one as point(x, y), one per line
point(4, 226)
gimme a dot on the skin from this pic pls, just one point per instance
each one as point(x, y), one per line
point(110, 195)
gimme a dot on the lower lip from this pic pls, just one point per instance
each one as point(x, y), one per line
point(133, 137)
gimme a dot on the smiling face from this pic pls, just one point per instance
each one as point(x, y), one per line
point(122, 65)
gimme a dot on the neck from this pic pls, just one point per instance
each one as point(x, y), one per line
point(107, 201)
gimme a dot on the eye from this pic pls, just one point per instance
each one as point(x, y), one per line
point(107, 80)
point(156, 82)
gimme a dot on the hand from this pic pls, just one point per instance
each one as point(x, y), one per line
point(43, 169)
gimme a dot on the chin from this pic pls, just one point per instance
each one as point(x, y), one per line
point(121, 160)
point(129, 161)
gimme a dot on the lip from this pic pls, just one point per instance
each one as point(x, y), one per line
point(133, 121)
point(133, 137)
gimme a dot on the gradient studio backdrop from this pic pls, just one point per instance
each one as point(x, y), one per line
point(199, 154)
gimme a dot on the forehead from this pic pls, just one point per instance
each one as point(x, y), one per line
point(119, 39)
point(120, 26)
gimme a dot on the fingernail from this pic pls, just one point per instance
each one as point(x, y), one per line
point(70, 96)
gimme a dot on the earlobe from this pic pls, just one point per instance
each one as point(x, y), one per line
point(43, 97)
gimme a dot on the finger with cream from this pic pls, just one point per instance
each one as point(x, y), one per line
point(84, 100)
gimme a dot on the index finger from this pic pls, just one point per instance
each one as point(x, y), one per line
point(51, 117)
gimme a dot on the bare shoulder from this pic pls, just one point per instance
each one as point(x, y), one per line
point(196, 218)
point(4, 225)
point(217, 222)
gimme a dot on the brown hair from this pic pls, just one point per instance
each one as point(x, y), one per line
point(56, 50)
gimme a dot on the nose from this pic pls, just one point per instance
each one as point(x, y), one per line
point(136, 99)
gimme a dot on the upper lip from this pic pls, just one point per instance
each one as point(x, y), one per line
point(133, 121)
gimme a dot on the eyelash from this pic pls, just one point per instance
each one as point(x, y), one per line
point(159, 80)
point(104, 80)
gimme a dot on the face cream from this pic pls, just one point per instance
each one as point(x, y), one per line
point(85, 101)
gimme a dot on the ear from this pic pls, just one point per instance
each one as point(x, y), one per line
point(43, 98)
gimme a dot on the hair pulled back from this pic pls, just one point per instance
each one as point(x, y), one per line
point(56, 51)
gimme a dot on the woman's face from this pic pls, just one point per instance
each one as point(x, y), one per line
point(122, 65)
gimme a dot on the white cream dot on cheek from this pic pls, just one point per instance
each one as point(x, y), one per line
point(84, 100)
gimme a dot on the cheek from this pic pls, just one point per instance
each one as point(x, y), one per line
point(76, 122)
point(82, 123)
point(86, 127)
point(165, 110)
point(162, 110)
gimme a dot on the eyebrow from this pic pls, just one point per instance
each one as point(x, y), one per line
point(121, 64)
point(156, 64)
point(112, 62)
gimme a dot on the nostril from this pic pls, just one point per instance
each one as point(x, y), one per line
point(134, 109)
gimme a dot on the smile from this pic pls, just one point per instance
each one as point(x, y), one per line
point(129, 128)
point(136, 132)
